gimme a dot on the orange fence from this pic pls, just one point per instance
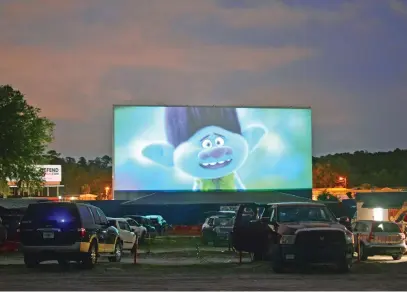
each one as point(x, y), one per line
point(185, 230)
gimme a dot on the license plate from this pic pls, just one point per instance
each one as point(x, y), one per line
point(48, 235)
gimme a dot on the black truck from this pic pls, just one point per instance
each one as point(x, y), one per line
point(293, 233)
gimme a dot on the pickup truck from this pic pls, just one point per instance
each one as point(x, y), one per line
point(297, 234)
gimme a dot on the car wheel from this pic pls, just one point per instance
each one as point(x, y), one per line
point(277, 265)
point(91, 257)
point(63, 263)
point(397, 257)
point(30, 261)
point(142, 237)
point(277, 262)
point(204, 240)
point(256, 256)
point(345, 265)
point(118, 250)
point(362, 255)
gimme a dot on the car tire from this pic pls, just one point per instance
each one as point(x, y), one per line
point(277, 262)
point(256, 256)
point(118, 251)
point(204, 240)
point(345, 265)
point(91, 257)
point(143, 237)
point(30, 261)
point(63, 263)
point(397, 257)
point(362, 255)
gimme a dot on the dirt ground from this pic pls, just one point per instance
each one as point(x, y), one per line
point(169, 271)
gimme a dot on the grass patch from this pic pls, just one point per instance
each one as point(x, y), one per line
point(171, 242)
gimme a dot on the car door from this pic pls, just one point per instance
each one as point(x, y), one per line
point(126, 235)
point(135, 226)
point(245, 233)
point(109, 233)
point(99, 230)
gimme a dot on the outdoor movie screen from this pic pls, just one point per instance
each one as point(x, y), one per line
point(159, 148)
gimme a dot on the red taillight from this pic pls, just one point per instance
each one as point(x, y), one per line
point(82, 232)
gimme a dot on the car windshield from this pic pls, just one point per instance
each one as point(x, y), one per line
point(385, 227)
point(223, 221)
point(304, 213)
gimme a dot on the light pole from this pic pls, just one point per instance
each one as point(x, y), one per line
point(344, 180)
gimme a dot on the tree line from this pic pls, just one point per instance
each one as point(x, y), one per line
point(362, 169)
point(82, 176)
point(25, 136)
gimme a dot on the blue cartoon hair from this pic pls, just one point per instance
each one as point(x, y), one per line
point(183, 122)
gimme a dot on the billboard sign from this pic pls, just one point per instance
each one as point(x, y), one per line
point(211, 148)
point(52, 173)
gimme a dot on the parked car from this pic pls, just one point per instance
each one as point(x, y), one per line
point(127, 235)
point(12, 223)
point(379, 238)
point(3, 233)
point(66, 231)
point(144, 221)
point(159, 223)
point(293, 233)
point(137, 228)
point(216, 229)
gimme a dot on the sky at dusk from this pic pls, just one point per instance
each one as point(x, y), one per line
point(345, 59)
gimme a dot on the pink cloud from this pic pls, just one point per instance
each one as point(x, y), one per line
point(64, 81)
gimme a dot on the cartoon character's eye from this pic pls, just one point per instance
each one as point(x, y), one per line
point(219, 141)
point(206, 143)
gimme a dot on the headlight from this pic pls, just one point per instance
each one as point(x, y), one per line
point(287, 239)
point(349, 238)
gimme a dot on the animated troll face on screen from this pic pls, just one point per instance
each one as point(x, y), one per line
point(206, 143)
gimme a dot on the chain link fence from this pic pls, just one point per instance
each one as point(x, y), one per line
point(187, 250)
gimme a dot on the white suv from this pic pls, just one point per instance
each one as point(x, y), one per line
point(125, 232)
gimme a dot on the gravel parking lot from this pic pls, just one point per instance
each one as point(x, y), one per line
point(169, 271)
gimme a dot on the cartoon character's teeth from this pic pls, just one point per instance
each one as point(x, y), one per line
point(205, 164)
point(212, 163)
point(221, 162)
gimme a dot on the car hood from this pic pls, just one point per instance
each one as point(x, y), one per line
point(291, 228)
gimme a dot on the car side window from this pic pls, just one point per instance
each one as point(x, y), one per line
point(362, 227)
point(127, 226)
point(102, 216)
point(211, 221)
point(86, 215)
point(132, 222)
point(95, 216)
point(124, 226)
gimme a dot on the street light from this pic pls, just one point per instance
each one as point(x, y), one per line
point(344, 180)
point(107, 191)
